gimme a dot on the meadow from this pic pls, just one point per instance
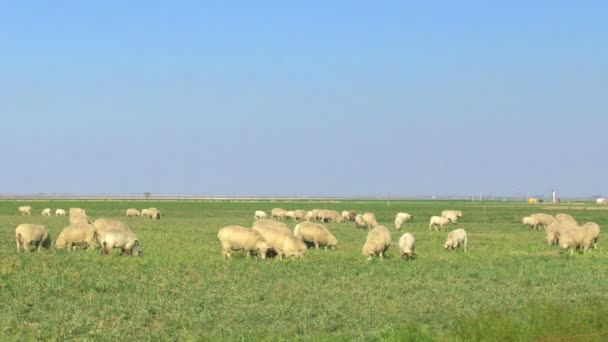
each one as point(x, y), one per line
point(510, 286)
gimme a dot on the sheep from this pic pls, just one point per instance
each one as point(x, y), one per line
point(565, 218)
point(573, 238)
point(359, 222)
point(125, 240)
point(145, 212)
point(456, 238)
point(299, 215)
point(555, 229)
point(406, 246)
point(404, 216)
point(377, 243)
point(25, 210)
point(592, 235)
point(60, 212)
point(260, 215)
point(309, 216)
point(452, 215)
point(544, 219)
point(79, 219)
point(438, 221)
point(316, 234)
point(290, 214)
point(76, 235)
point(315, 214)
point(345, 215)
point(154, 213)
point(46, 212)
point(370, 220)
point(351, 215)
point(280, 238)
point(102, 225)
point(132, 212)
point(329, 216)
point(27, 234)
point(277, 214)
point(399, 221)
point(531, 221)
point(77, 211)
point(234, 238)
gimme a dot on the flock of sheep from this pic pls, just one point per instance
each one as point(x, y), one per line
point(272, 235)
point(81, 232)
point(563, 230)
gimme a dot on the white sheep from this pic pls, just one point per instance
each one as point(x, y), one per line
point(377, 243)
point(399, 221)
point(290, 214)
point(592, 235)
point(60, 212)
point(316, 234)
point(46, 212)
point(359, 222)
point(145, 212)
point(102, 225)
point(154, 213)
point(345, 215)
point(565, 218)
point(309, 216)
point(544, 219)
point(25, 210)
point(404, 216)
point(531, 221)
point(132, 212)
point(370, 220)
point(27, 234)
point(573, 238)
point(456, 238)
point(329, 216)
point(438, 221)
point(277, 213)
point(555, 229)
point(76, 235)
point(299, 214)
point(260, 215)
point(280, 238)
point(234, 238)
point(406, 245)
point(78, 219)
point(77, 211)
point(126, 241)
point(453, 215)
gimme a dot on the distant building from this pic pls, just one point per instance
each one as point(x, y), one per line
point(532, 200)
point(602, 200)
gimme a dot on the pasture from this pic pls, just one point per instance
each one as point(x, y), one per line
point(509, 286)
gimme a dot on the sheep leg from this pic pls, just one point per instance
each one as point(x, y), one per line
point(465, 245)
point(18, 245)
point(316, 244)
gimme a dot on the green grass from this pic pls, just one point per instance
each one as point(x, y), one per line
point(510, 286)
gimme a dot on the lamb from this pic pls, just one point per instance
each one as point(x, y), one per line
point(46, 212)
point(565, 218)
point(406, 246)
point(544, 219)
point(370, 220)
point(27, 234)
point(316, 234)
point(76, 235)
point(592, 235)
point(277, 214)
point(534, 223)
point(260, 215)
point(234, 238)
point(280, 238)
point(456, 238)
point(438, 221)
point(377, 243)
point(359, 223)
point(452, 215)
point(126, 241)
point(60, 212)
point(133, 212)
point(299, 215)
point(329, 216)
point(25, 210)
point(573, 238)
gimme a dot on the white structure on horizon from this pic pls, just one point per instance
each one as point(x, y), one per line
point(554, 198)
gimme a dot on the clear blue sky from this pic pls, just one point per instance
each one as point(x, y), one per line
point(304, 97)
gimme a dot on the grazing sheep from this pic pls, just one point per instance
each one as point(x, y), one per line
point(592, 235)
point(234, 238)
point(76, 235)
point(573, 238)
point(555, 229)
point(399, 221)
point(280, 238)
point(453, 215)
point(133, 212)
point(565, 218)
point(531, 221)
point(77, 211)
point(309, 216)
point(27, 234)
point(300, 215)
point(438, 221)
point(277, 214)
point(544, 219)
point(351, 215)
point(145, 213)
point(345, 215)
point(406, 246)
point(405, 216)
point(315, 214)
point(154, 213)
point(126, 241)
point(377, 243)
point(290, 214)
point(60, 212)
point(456, 238)
point(329, 216)
point(79, 219)
point(259, 215)
point(25, 210)
point(359, 222)
point(370, 220)
point(46, 212)
point(103, 225)
point(316, 234)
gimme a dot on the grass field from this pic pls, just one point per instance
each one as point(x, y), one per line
point(510, 286)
